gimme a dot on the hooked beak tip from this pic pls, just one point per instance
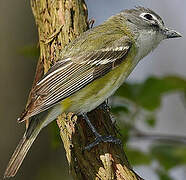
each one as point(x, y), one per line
point(169, 33)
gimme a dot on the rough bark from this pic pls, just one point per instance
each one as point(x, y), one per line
point(59, 22)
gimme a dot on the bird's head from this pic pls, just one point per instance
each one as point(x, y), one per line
point(146, 20)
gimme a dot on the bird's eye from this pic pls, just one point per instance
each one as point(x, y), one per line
point(150, 19)
point(148, 16)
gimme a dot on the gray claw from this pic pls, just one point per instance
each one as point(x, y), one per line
point(105, 139)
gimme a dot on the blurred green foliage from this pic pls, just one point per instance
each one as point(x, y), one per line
point(135, 102)
point(169, 156)
point(148, 94)
point(163, 175)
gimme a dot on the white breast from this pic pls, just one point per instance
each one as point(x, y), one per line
point(146, 42)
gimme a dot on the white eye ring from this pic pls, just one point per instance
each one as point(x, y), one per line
point(148, 16)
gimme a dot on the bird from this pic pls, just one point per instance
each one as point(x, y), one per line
point(90, 69)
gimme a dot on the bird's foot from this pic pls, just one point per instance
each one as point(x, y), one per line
point(104, 106)
point(103, 139)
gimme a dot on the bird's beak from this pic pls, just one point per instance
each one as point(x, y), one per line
point(169, 33)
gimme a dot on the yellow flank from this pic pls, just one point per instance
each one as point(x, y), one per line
point(66, 103)
point(96, 92)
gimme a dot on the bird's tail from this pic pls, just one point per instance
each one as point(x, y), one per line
point(22, 148)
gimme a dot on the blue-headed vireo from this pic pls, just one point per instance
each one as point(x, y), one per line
point(91, 68)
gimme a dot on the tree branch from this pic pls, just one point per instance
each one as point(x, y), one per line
point(59, 22)
point(158, 137)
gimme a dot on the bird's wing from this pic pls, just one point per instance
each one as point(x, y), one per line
point(71, 74)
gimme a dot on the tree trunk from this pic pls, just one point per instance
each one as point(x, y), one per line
point(59, 22)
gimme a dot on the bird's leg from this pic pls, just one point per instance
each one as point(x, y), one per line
point(99, 138)
point(104, 106)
